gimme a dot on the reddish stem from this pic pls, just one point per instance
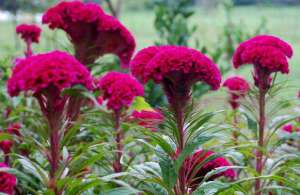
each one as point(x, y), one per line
point(28, 51)
point(6, 159)
point(119, 145)
point(259, 153)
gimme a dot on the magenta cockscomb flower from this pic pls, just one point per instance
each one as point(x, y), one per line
point(55, 71)
point(14, 129)
point(195, 174)
point(8, 181)
point(148, 118)
point(119, 89)
point(267, 53)
point(92, 32)
point(238, 87)
point(177, 68)
point(30, 33)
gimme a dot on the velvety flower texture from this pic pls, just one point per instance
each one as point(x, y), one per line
point(29, 32)
point(238, 87)
point(57, 70)
point(7, 181)
point(119, 89)
point(267, 53)
point(148, 118)
point(196, 176)
point(177, 68)
point(92, 32)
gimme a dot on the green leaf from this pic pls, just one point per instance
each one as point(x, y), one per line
point(169, 173)
point(139, 103)
point(210, 188)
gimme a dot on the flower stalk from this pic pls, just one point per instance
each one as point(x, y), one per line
point(117, 166)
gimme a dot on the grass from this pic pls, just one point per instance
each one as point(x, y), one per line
point(281, 21)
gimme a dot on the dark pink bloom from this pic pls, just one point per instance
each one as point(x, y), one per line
point(5, 146)
point(57, 70)
point(14, 129)
point(238, 87)
point(92, 32)
point(7, 181)
point(148, 119)
point(299, 94)
point(29, 32)
point(177, 68)
point(289, 128)
point(119, 89)
point(196, 174)
point(267, 53)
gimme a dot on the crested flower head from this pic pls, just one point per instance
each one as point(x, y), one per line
point(148, 118)
point(237, 87)
point(177, 68)
point(119, 89)
point(29, 32)
point(267, 53)
point(196, 174)
point(57, 70)
point(92, 32)
point(7, 181)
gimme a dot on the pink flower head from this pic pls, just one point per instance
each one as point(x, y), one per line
point(148, 119)
point(238, 87)
point(55, 69)
point(14, 129)
point(119, 89)
point(177, 68)
point(5, 146)
point(196, 174)
point(7, 181)
point(267, 53)
point(92, 32)
point(289, 128)
point(30, 33)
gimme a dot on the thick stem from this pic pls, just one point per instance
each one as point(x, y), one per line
point(179, 114)
point(119, 145)
point(28, 51)
point(6, 159)
point(259, 153)
point(235, 124)
point(54, 157)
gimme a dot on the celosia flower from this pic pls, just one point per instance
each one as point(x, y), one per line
point(5, 146)
point(148, 118)
point(238, 87)
point(7, 181)
point(47, 75)
point(177, 68)
point(14, 129)
point(55, 69)
point(92, 32)
point(119, 89)
point(267, 53)
point(290, 128)
point(196, 174)
point(30, 33)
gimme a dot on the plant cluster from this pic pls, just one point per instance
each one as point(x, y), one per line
point(68, 130)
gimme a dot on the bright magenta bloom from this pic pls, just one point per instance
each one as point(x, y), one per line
point(92, 32)
point(177, 68)
point(7, 181)
point(119, 89)
point(196, 174)
point(289, 128)
point(29, 32)
point(238, 87)
point(267, 53)
point(56, 70)
point(148, 119)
